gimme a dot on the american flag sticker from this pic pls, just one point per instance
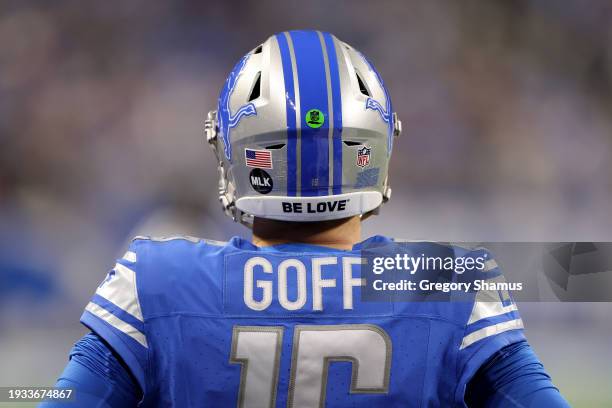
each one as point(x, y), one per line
point(258, 158)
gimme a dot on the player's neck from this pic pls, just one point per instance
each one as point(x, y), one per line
point(339, 234)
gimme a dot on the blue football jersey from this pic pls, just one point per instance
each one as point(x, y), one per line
point(208, 324)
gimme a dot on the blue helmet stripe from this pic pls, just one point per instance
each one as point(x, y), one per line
point(337, 107)
point(291, 115)
point(313, 95)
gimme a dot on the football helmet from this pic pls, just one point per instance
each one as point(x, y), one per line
point(303, 131)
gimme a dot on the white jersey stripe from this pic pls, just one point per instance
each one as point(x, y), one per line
point(117, 323)
point(130, 256)
point(486, 309)
point(120, 289)
point(490, 331)
point(488, 303)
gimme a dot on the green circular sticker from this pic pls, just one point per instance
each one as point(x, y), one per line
point(315, 118)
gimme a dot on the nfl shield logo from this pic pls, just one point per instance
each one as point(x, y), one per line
point(363, 156)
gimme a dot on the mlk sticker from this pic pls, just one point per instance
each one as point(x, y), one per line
point(261, 181)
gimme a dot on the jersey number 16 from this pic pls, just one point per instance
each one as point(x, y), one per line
point(257, 349)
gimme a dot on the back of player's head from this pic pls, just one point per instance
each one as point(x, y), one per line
point(303, 131)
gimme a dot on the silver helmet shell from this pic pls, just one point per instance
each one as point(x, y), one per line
point(303, 131)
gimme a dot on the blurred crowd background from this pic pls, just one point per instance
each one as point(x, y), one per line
point(506, 109)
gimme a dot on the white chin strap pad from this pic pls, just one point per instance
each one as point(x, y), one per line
point(319, 208)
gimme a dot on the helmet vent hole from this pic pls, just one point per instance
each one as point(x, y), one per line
point(351, 143)
point(276, 146)
point(258, 49)
point(362, 88)
point(256, 91)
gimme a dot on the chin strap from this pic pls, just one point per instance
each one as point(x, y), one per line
point(225, 189)
point(397, 131)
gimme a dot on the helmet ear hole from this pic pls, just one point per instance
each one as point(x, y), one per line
point(362, 86)
point(351, 143)
point(256, 91)
point(276, 146)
